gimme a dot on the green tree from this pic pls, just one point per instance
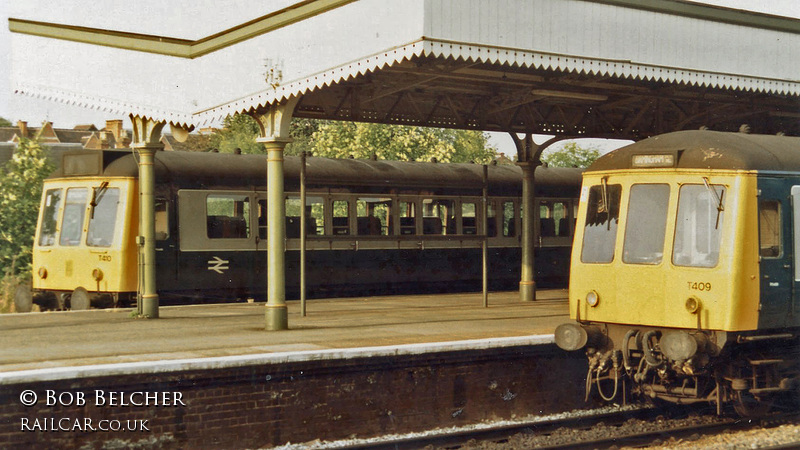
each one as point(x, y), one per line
point(399, 142)
point(20, 191)
point(5, 123)
point(341, 139)
point(240, 131)
point(571, 155)
point(301, 131)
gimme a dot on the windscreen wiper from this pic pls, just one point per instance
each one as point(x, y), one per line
point(717, 197)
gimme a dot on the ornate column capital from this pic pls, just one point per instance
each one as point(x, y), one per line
point(273, 122)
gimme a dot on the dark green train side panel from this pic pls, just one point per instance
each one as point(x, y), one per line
point(780, 281)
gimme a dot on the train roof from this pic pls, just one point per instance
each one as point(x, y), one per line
point(703, 149)
point(223, 169)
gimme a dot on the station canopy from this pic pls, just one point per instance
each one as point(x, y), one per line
point(593, 68)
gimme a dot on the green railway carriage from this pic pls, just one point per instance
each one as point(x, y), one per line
point(686, 268)
point(372, 226)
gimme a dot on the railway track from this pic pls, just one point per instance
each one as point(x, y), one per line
point(592, 431)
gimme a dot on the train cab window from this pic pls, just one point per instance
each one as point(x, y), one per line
point(553, 218)
point(74, 214)
point(227, 216)
point(509, 225)
point(341, 218)
point(469, 218)
point(104, 209)
point(769, 229)
point(698, 230)
point(645, 229)
point(373, 216)
point(438, 216)
point(600, 229)
point(52, 204)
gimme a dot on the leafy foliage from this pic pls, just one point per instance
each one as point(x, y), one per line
point(20, 191)
point(301, 131)
point(240, 131)
point(5, 123)
point(338, 139)
point(398, 142)
point(571, 155)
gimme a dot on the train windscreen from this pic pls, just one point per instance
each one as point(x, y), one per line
point(600, 230)
point(103, 219)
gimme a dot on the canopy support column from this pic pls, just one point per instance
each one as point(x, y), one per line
point(146, 142)
point(529, 158)
point(274, 127)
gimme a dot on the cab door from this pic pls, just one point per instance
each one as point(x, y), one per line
point(775, 253)
point(794, 313)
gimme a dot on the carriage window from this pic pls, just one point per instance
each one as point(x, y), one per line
point(52, 203)
point(373, 216)
point(439, 216)
point(699, 225)
point(74, 213)
point(509, 225)
point(162, 219)
point(600, 229)
point(103, 217)
point(553, 218)
point(469, 221)
point(227, 216)
point(646, 225)
point(341, 217)
point(769, 227)
point(491, 219)
point(315, 218)
point(408, 217)
point(315, 222)
point(262, 218)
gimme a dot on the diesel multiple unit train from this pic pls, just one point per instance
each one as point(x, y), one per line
point(372, 226)
point(685, 271)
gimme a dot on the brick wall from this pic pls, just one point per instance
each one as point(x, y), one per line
point(266, 405)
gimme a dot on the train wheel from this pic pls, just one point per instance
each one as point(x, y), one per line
point(80, 299)
point(23, 299)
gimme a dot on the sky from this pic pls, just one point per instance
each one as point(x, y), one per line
point(35, 111)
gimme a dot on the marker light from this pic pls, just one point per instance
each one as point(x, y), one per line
point(42, 273)
point(692, 305)
point(592, 299)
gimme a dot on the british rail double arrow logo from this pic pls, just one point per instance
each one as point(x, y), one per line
point(218, 265)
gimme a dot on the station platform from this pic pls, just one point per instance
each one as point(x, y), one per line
point(67, 339)
point(351, 368)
